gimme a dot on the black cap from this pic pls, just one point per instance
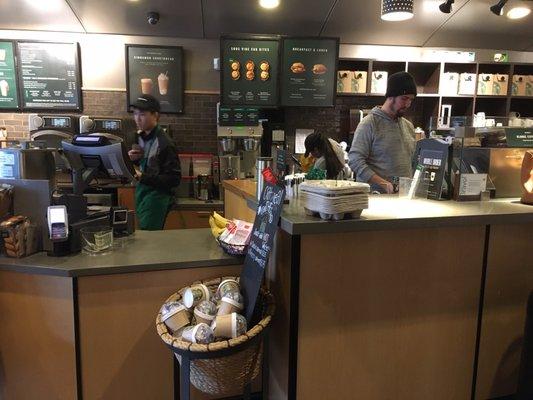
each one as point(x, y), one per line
point(147, 102)
point(400, 84)
point(312, 141)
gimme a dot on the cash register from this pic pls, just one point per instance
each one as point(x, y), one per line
point(89, 157)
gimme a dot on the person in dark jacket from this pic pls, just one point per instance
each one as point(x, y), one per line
point(156, 157)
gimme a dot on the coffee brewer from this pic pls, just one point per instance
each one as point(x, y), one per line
point(239, 131)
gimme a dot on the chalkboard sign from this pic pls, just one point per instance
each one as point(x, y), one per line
point(249, 72)
point(309, 71)
point(519, 137)
point(158, 71)
point(9, 99)
point(49, 75)
point(261, 240)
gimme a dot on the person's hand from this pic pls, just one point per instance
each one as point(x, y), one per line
point(135, 154)
point(387, 186)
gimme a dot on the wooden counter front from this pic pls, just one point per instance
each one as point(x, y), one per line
point(237, 193)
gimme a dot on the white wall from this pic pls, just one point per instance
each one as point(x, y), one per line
point(103, 65)
point(102, 57)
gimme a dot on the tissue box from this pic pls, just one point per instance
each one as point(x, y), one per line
point(500, 84)
point(529, 85)
point(449, 83)
point(379, 82)
point(359, 81)
point(344, 81)
point(485, 83)
point(518, 87)
point(467, 84)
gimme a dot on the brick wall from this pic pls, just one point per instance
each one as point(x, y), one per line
point(194, 131)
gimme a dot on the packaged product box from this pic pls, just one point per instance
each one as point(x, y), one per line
point(500, 84)
point(518, 87)
point(449, 84)
point(467, 84)
point(359, 81)
point(529, 85)
point(484, 84)
point(344, 81)
point(379, 82)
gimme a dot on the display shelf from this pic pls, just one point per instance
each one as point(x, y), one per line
point(522, 105)
point(426, 75)
point(522, 69)
point(353, 65)
point(491, 105)
point(460, 105)
point(491, 96)
point(460, 68)
point(390, 66)
point(494, 68)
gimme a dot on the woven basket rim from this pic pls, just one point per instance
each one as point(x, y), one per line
point(184, 346)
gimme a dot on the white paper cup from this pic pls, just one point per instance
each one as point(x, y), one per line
point(202, 317)
point(227, 326)
point(228, 306)
point(190, 334)
point(176, 316)
point(227, 285)
point(195, 294)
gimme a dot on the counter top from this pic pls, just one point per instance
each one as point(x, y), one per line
point(144, 251)
point(244, 187)
point(387, 212)
point(185, 203)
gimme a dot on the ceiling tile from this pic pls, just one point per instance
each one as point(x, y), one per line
point(38, 15)
point(292, 17)
point(359, 22)
point(177, 18)
point(475, 26)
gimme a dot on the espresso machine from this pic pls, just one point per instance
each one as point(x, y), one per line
point(239, 133)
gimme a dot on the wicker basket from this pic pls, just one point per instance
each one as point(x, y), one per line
point(222, 368)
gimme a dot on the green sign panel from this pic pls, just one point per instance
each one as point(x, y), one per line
point(8, 79)
point(519, 137)
point(250, 68)
point(50, 75)
point(309, 71)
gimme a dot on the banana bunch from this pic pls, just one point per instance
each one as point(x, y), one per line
point(218, 224)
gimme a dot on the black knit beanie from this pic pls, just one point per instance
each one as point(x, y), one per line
point(399, 84)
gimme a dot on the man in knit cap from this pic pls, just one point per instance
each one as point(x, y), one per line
point(384, 141)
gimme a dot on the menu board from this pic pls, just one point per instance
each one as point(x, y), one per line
point(238, 116)
point(158, 71)
point(260, 246)
point(49, 75)
point(8, 77)
point(309, 72)
point(249, 71)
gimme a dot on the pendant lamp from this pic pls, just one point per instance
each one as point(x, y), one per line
point(396, 10)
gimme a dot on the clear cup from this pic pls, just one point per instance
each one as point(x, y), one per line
point(96, 240)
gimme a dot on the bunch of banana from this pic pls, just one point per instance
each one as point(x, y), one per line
point(218, 224)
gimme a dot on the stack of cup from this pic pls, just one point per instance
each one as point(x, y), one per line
point(229, 326)
point(200, 333)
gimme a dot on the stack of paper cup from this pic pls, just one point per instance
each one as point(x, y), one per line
point(230, 303)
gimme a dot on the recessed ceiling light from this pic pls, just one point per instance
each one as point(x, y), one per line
point(49, 6)
point(518, 12)
point(269, 3)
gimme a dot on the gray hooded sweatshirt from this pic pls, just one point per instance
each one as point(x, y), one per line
point(383, 146)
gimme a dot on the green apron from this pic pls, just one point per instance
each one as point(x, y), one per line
point(151, 205)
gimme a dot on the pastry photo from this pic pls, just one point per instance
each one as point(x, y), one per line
point(250, 65)
point(319, 69)
point(235, 75)
point(264, 66)
point(264, 75)
point(297, 68)
point(235, 66)
point(250, 75)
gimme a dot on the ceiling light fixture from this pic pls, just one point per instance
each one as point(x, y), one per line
point(518, 12)
point(396, 10)
point(498, 8)
point(269, 3)
point(446, 7)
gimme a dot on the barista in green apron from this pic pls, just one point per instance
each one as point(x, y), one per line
point(156, 157)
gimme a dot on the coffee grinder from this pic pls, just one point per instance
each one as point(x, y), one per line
point(239, 133)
